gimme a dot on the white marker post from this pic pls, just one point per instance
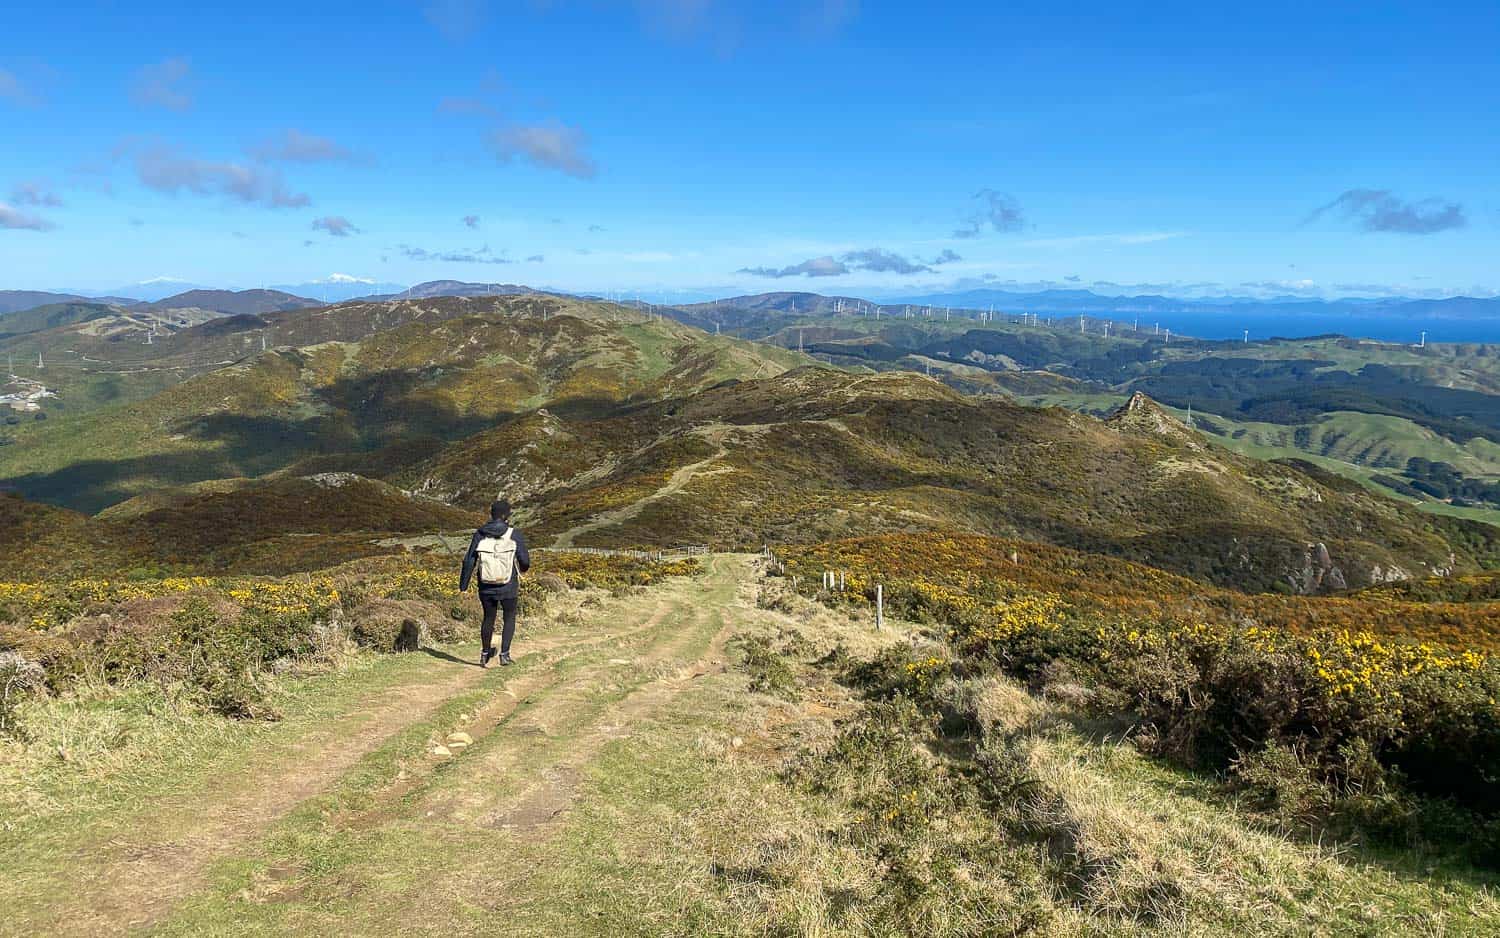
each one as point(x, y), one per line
point(879, 607)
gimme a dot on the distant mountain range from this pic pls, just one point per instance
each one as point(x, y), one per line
point(1087, 301)
point(338, 288)
point(149, 291)
point(12, 301)
point(233, 303)
point(1466, 318)
point(452, 288)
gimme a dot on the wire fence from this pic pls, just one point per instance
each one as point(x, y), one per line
point(650, 556)
point(834, 581)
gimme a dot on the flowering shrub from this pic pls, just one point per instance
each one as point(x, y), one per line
point(1210, 675)
point(215, 638)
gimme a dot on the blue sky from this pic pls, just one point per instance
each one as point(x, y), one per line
point(720, 146)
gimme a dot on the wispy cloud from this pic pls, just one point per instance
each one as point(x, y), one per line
point(825, 266)
point(1303, 286)
point(482, 256)
point(994, 210)
point(1125, 238)
point(829, 16)
point(550, 146)
point(336, 225)
point(466, 105)
point(457, 20)
point(535, 259)
point(874, 260)
point(14, 219)
point(161, 85)
point(12, 90)
point(1382, 210)
point(726, 25)
point(165, 170)
point(35, 193)
point(294, 146)
point(471, 221)
point(723, 24)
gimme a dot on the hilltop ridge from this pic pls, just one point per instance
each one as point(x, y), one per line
point(612, 426)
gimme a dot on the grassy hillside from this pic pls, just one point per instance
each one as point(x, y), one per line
point(817, 453)
point(51, 316)
point(1337, 684)
point(608, 427)
point(1363, 408)
point(436, 377)
point(271, 525)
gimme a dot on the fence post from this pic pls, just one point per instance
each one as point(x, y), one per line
point(879, 606)
point(841, 581)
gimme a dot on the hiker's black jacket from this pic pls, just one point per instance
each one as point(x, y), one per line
point(471, 560)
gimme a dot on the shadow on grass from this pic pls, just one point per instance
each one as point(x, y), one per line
point(437, 653)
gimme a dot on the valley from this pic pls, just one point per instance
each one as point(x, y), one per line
point(1112, 623)
point(1358, 407)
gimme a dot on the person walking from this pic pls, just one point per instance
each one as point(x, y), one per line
point(497, 553)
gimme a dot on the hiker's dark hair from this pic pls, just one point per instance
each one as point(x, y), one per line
point(500, 510)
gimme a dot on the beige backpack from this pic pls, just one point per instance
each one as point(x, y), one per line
point(497, 559)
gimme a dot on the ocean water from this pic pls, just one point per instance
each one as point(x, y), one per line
point(1383, 328)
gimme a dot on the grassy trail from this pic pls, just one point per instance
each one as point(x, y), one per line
point(538, 726)
point(679, 480)
point(625, 779)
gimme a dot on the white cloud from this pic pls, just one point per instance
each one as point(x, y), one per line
point(550, 146)
point(165, 170)
point(1129, 238)
point(294, 146)
point(17, 220)
point(35, 193)
point(12, 90)
point(336, 225)
point(160, 85)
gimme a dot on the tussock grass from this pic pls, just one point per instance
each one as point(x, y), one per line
point(1024, 817)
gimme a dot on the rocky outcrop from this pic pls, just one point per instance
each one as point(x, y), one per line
point(1318, 573)
point(1141, 414)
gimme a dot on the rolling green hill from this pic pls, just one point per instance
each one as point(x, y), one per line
point(609, 426)
point(1361, 408)
point(817, 453)
point(436, 373)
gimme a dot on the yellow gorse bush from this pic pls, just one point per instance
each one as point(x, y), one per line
point(985, 596)
point(925, 674)
point(44, 606)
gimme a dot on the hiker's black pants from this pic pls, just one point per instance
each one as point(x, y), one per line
point(508, 629)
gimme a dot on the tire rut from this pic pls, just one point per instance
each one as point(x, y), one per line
point(136, 881)
point(551, 786)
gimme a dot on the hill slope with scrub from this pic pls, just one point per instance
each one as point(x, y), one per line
point(817, 453)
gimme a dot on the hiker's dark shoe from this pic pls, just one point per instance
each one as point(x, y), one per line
point(505, 659)
point(485, 656)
